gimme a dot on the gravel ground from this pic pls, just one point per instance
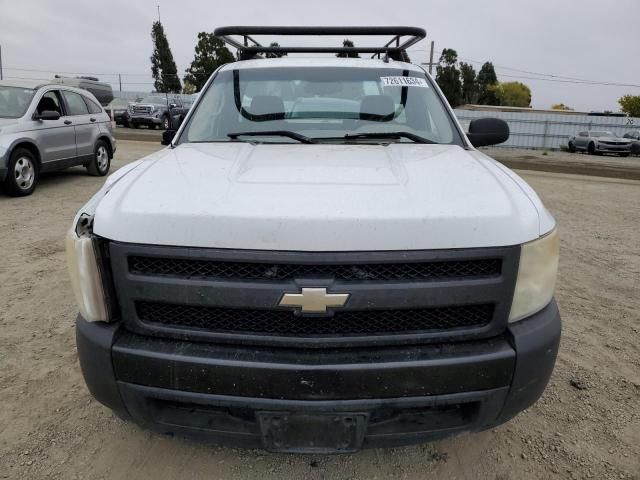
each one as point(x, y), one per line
point(587, 425)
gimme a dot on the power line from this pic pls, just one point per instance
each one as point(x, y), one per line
point(539, 76)
point(553, 77)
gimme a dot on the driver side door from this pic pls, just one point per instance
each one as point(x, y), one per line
point(56, 139)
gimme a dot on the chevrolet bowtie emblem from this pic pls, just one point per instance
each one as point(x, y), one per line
point(314, 300)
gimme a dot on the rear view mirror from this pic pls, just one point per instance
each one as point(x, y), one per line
point(488, 131)
point(167, 137)
point(48, 115)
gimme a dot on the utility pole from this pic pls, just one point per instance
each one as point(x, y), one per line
point(120, 81)
point(0, 62)
point(431, 58)
point(159, 14)
point(431, 62)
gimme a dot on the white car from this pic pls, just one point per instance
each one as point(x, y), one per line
point(320, 261)
point(599, 142)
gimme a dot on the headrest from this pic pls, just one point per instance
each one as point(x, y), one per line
point(269, 105)
point(380, 108)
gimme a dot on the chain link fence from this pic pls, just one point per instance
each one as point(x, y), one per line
point(548, 131)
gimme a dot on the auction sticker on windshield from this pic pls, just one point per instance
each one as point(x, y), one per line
point(404, 82)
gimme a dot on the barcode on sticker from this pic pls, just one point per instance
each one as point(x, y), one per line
point(404, 82)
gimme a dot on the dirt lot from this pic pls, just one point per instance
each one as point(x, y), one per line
point(587, 425)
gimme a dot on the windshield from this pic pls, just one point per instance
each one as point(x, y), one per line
point(321, 104)
point(602, 134)
point(14, 101)
point(155, 100)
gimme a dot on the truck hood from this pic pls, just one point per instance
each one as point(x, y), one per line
point(8, 122)
point(613, 139)
point(319, 198)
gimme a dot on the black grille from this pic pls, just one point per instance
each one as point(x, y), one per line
point(187, 268)
point(286, 323)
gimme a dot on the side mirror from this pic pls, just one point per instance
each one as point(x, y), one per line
point(48, 115)
point(173, 105)
point(488, 131)
point(167, 137)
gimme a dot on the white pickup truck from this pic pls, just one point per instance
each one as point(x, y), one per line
point(319, 261)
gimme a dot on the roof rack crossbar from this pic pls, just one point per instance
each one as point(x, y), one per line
point(246, 51)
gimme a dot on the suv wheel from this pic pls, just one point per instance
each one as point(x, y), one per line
point(165, 123)
point(572, 147)
point(591, 148)
point(99, 165)
point(22, 175)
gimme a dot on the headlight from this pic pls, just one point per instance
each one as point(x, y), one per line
point(536, 276)
point(85, 275)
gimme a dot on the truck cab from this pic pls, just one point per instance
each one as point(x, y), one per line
point(319, 261)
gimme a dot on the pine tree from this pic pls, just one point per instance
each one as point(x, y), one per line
point(487, 81)
point(469, 85)
point(448, 77)
point(347, 44)
point(210, 53)
point(275, 54)
point(163, 67)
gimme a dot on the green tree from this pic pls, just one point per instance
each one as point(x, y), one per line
point(163, 67)
point(448, 77)
point(561, 106)
point(188, 89)
point(347, 44)
point(630, 104)
point(485, 81)
point(211, 53)
point(274, 54)
point(513, 94)
point(469, 85)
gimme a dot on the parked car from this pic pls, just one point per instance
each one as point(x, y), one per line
point(320, 261)
point(45, 127)
point(179, 113)
point(153, 111)
point(598, 142)
point(100, 90)
point(634, 136)
point(120, 108)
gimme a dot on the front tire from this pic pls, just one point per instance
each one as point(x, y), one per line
point(22, 174)
point(165, 123)
point(591, 148)
point(572, 147)
point(99, 165)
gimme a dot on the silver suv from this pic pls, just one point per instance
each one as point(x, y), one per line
point(46, 127)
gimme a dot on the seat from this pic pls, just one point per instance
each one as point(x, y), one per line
point(267, 107)
point(377, 108)
point(48, 103)
point(418, 115)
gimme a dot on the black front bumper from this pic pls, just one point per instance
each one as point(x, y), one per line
point(400, 395)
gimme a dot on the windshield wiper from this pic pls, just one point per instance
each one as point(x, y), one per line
point(273, 133)
point(383, 135)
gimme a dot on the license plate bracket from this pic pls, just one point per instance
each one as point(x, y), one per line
point(312, 433)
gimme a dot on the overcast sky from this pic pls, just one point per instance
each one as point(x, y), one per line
point(584, 39)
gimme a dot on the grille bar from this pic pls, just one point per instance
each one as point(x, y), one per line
point(424, 271)
point(286, 323)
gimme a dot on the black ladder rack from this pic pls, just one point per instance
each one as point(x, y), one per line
point(401, 39)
